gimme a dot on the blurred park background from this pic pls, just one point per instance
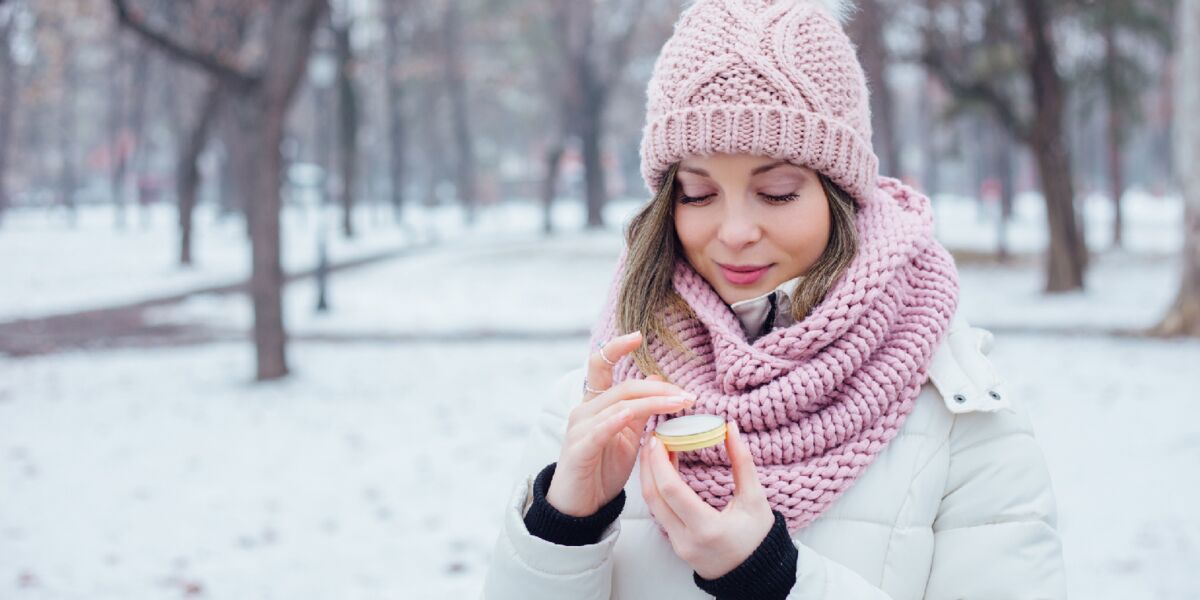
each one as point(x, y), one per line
point(283, 282)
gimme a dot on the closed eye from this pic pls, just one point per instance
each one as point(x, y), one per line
point(777, 199)
point(781, 199)
point(694, 199)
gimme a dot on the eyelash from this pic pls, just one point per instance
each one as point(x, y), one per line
point(778, 199)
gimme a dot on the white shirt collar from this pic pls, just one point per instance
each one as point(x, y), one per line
point(752, 312)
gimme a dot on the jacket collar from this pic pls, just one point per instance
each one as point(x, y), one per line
point(752, 313)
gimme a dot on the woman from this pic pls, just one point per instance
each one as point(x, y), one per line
point(777, 280)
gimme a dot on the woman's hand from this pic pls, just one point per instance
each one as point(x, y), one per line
point(603, 432)
point(713, 542)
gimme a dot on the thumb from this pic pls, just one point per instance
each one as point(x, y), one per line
point(745, 475)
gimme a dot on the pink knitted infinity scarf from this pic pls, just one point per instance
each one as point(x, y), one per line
point(819, 399)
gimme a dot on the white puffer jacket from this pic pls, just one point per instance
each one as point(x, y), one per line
point(958, 505)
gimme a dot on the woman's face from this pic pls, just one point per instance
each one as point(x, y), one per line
point(748, 223)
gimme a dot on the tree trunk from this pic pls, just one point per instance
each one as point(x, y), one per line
point(259, 105)
point(866, 29)
point(930, 153)
point(1066, 258)
point(590, 120)
point(550, 184)
point(268, 106)
point(459, 109)
point(264, 128)
point(1004, 165)
point(1183, 318)
point(66, 139)
point(8, 108)
point(116, 130)
point(593, 164)
point(140, 80)
point(188, 178)
point(397, 128)
point(347, 127)
point(1116, 174)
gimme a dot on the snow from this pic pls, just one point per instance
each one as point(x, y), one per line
point(377, 468)
point(1117, 422)
point(95, 265)
point(381, 467)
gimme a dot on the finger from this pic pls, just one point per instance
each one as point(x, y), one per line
point(658, 507)
point(599, 372)
point(678, 495)
point(628, 390)
point(595, 433)
point(643, 408)
point(745, 475)
point(598, 436)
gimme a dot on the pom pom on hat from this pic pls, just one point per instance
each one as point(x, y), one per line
point(841, 10)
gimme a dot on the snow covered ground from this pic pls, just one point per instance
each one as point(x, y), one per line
point(522, 285)
point(52, 267)
point(380, 468)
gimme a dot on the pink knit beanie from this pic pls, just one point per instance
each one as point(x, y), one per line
point(768, 77)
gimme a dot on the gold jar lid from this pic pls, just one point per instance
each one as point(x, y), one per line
point(691, 432)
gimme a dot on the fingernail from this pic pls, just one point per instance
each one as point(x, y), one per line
point(631, 334)
point(653, 442)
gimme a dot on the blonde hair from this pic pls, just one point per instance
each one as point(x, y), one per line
point(647, 295)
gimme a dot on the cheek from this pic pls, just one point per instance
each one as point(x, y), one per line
point(806, 232)
point(691, 229)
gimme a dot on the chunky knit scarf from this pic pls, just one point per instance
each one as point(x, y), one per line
point(817, 400)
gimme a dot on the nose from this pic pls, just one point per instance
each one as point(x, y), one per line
point(739, 228)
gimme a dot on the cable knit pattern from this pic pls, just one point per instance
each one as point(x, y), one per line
point(819, 399)
point(772, 78)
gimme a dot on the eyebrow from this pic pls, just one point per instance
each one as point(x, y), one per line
point(756, 171)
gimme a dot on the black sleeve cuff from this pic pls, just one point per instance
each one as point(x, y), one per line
point(769, 572)
point(546, 522)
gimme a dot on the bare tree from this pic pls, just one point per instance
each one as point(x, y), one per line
point(456, 87)
point(187, 172)
point(1183, 318)
point(8, 96)
point(1043, 131)
point(67, 177)
point(348, 120)
point(394, 11)
point(116, 127)
point(259, 100)
point(593, 40)
point(1133, 35)
point(867, 31)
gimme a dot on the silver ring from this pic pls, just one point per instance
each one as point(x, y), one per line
point(586, 388)
point(600, 347)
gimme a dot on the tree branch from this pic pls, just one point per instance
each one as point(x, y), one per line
point(977, 90)
point(619, 47)
point(229, 75)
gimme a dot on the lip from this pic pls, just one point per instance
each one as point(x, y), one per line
point(743, 274)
